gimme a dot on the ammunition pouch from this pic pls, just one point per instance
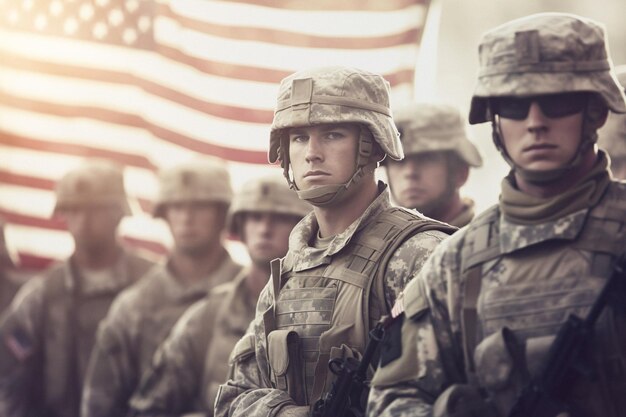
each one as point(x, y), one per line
point(285, 360)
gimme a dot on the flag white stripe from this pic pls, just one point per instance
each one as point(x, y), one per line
point(312, 22)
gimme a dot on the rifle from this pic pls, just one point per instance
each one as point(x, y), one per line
point(345, 397)
point(544, 396)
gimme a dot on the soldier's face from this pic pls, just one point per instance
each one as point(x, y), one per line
point(540, 142)
point(323, 154)
point(266, 235)
point(419, 180)
point(92, 227)
point(196, 226)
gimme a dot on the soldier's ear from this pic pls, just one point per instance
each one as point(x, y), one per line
point(597, 112)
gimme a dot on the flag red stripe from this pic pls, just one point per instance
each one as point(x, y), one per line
point(242, 114)
point(32, 262)
point(27, 181)
point(119, 118)
point(289, 38)
point(85, 151)
point(334, 5)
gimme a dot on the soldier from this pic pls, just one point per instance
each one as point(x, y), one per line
point(438, 155)
point(193, 361)
point(347, 261)
point(193, 199)
point(488, 302)
point(612, 137)
point(8, 284)
point(49, 329)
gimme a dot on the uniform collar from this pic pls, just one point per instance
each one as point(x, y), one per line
point(301, 256)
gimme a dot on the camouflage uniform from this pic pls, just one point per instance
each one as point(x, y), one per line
point(143, 315)
point(49, 329)
point(435, 127)
point(512, 274)
point(193, 360)
point(323, 297)
point(8, 285)
point(612, 137)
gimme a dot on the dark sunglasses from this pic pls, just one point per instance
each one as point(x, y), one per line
point(552, 105)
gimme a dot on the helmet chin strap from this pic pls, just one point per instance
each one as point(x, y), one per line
point(589, 137)
point(328, 195)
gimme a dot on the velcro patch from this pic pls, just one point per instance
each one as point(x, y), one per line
point(391, 346)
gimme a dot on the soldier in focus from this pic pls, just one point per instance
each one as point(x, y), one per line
point(482, 314)
point(193, 199)
point(49, 330)
point(612, 137)
point(438, 157)
point(347, 260)
point(8, 284)
point(193, 361)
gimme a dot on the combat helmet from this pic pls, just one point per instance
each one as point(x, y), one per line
point(94, 182)
point(435, 127)
point(545, 53)
point(612, 136)
point(268, 194)
point(334, 95)
point(199, 180)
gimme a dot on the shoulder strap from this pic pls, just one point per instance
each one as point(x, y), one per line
point(410, 224)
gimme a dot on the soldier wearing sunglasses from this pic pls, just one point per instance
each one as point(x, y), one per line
point(477, 322)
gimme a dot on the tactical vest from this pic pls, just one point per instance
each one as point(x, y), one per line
point(70, 321)
point(327, 311)
point(531, 291)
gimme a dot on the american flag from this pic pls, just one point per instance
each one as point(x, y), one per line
point(149, 83)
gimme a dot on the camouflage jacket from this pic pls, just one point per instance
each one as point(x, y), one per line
point(138, 322)
point(193, 360)
point(250, 392)
point(8, 289)
point(552, 263)
point(48, 333)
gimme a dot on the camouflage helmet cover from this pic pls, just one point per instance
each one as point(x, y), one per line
point(435, 127)
point(612, 137)
point(335, 95)
point(94, 182)
point(200, 180)
point(545, 53)
point(269, 194)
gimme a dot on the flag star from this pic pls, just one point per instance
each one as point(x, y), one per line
point(28, 4)
point(116, 17)
point(14, 16)
point(86, 12)
point(56, 8)
point(129, 36)
point(132, 5)
point(41, 21)
point(143, 23)
point(70, 26)
point(100, 30)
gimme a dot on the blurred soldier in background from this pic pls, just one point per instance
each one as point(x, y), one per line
point(612, 137)
point(193, 361)
point(8, 285)
point(48, 331)
point(347, 261)
point(194, 198)
point(482, 314)
point(436, 165)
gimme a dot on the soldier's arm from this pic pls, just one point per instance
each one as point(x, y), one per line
point(170, 386)
point(20, 350)
point(111, 373)
point(420, 356)
point(248, 392)
point(408, 260)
